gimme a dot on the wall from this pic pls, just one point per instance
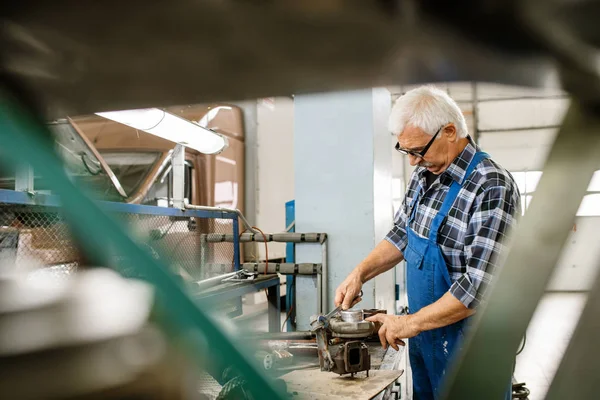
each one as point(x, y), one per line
point(341, 189)
point(275, 168)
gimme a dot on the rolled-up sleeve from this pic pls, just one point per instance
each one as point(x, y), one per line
point(397, 236)
point(492, 219)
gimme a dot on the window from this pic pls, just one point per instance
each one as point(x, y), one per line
point(79, 162)
point(131, 168)
point(527, 182)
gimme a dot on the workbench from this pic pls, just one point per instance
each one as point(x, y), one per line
point(312, 383)
point(217, 294)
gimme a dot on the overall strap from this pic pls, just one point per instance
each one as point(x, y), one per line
point(452, 195)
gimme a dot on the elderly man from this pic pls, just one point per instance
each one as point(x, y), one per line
point(456, 213)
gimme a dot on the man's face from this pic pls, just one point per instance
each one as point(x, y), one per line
point(436, 158)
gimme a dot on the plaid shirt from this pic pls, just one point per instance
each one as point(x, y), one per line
point(472, 234)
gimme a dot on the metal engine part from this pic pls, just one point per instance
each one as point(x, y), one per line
point(352, 330)
point(351, 357)
point(351, 324)
point(352, 315)
point(339, 350)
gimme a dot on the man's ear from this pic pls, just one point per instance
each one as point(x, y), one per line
point(450, 132)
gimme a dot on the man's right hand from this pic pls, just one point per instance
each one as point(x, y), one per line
point(346, 294)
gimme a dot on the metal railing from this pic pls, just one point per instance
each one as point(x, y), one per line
point(33, 232)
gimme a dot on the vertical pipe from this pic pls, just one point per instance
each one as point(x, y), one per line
point(290, 219)
point(178, 163)
point(320, 294)
point(323, 288)
point(236, 243)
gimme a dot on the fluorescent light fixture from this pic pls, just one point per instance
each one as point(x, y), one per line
point(170, 127)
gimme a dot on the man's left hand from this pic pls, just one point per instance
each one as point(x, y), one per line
point(394, 328)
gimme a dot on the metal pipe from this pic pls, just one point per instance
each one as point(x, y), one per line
point(282, 237)
point(227, 210)
point(274, 268)
point(178, 164)
point(320, 294)
point(297, 335)
point(215, 280)
point(324, 280)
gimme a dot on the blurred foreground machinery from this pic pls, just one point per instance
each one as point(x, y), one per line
point(84, 336)
point(57, 61)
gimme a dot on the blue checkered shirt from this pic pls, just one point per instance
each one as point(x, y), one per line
point(472, 235)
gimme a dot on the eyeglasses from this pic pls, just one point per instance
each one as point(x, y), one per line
point(420, 153)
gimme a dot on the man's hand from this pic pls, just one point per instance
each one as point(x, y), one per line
point(347, 293)
point(394, 328)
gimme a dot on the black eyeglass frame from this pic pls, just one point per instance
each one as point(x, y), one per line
point(421, 153)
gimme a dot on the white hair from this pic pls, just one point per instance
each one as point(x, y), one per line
point(427, 108)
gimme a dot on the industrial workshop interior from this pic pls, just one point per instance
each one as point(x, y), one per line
point(385, 199)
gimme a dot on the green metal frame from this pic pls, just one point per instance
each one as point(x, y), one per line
point(23, 136)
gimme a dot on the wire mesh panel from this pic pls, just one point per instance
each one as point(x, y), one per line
point(33, 236)
point(38, 236)
point(178, 241)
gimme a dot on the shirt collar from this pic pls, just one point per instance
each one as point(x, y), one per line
point(458, 168)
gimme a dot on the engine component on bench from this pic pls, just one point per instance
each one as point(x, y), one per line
point(340, 340)
point(350, 357)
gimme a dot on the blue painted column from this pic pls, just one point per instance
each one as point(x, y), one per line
point(342, 163)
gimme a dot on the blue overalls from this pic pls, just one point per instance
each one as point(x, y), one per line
point(428, 280)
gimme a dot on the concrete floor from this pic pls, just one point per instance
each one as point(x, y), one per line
point(548, 335)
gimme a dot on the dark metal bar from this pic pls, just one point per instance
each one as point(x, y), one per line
point(297, 335)
point(153, 210)
point(236, 243)
point(485, 366)
point(273, 298)
point(50, 200)
point(14, 197)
